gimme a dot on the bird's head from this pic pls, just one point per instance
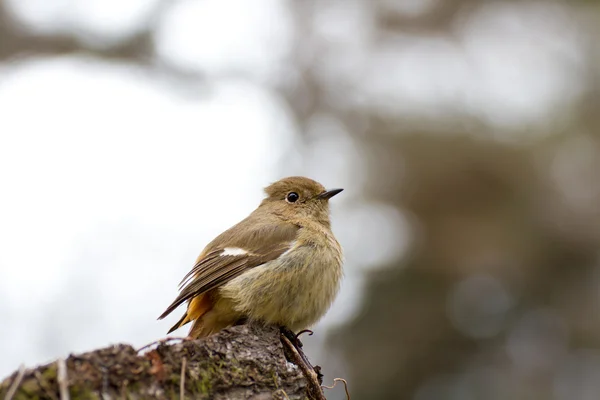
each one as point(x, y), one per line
point(299, 197)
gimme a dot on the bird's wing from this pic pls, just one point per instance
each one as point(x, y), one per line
point(230, 254)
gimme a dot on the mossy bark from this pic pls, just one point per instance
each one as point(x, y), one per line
point(243, 362)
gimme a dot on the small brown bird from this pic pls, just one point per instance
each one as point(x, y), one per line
point(281, 265)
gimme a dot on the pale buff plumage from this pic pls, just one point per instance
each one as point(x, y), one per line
point(281, 265)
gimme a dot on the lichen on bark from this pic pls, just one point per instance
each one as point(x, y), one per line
point(243, 362)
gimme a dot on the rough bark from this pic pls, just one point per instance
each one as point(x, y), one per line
point(243, 362)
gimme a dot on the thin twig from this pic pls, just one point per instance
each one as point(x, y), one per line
point(282, 393)
point(63, 384)
point(182, 380)
point(104, 393)
point(307, 370)
point(44, 386)
point(163, 341)
point(124, 394)
point(335, 381)
point(15, 385)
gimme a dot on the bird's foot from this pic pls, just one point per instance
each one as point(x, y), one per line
point(293, 351)
point(291, 336)
point(302, 332)
point(295, 337)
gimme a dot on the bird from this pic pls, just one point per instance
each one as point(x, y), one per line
point(281, 265)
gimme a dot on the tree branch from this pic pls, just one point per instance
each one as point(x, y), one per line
point(243, 362)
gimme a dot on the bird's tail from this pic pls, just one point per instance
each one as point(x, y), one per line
point(197, 307)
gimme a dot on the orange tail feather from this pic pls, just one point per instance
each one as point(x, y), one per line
point(197, 307)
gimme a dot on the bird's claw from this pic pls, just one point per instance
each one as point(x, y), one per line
point(302, 332)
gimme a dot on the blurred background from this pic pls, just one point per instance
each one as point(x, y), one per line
point(466, 134)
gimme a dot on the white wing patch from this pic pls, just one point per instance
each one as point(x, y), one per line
point(292, 247)
point(233, 251)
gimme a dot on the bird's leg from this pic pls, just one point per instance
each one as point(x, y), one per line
point(295, 337)
point(317, 368)
point(310, 333)
point(295, 355)
point(291, 336)
point(295, 341)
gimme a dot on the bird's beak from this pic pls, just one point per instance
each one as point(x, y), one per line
point(329, 194)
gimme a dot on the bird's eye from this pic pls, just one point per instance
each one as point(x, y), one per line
point(292, 197)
